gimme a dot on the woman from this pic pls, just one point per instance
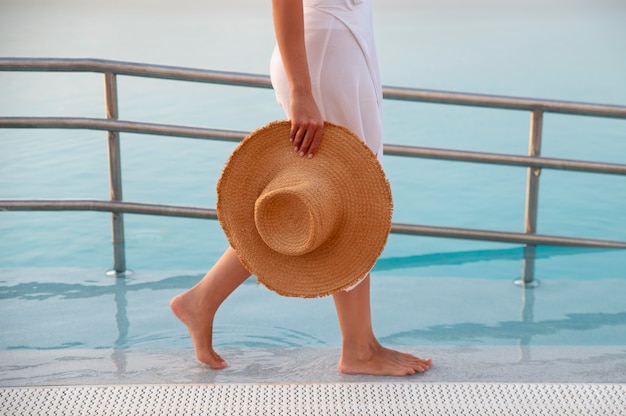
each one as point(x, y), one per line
point(324, 68)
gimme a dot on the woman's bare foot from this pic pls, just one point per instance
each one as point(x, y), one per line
point(380, 361)
point(196, 307)
point(361, 353)
point(199, 322)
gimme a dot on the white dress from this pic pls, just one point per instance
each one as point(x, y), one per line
point(343, 67)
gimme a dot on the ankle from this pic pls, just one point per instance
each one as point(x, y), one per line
point(361, 351)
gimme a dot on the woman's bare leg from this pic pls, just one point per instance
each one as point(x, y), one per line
point(196, 307)
point(361, 353)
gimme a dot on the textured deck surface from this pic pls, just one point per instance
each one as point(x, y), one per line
point(320, 399)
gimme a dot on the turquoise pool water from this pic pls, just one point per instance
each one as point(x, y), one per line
point(426, 291)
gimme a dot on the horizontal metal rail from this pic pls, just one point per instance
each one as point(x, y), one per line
point(102, 124)
point(503, 236)
point(209, 213)
point(236, 136)
point(134, 69)
point(263, 81)
point(106, 206)
point(505, 159)
point(502, 102)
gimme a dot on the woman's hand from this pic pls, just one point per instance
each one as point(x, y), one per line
point(307, 124)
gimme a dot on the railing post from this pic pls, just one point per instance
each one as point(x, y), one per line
point(532, 200)
point(115, 177)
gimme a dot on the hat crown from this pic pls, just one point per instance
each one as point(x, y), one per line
point(297, 211)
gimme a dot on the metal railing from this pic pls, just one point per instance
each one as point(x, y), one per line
point(113, 126)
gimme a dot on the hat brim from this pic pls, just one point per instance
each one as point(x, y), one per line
point(342, 260)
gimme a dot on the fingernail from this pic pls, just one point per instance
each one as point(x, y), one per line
point(301, 153)
point(295, 149)
point(310, 155)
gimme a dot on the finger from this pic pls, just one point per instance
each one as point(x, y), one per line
point(297, 138)
point(306, 142)
point(292, 132)
point(315, 143)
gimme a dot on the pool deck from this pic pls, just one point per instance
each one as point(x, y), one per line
point(524, 380)
point(487, 364)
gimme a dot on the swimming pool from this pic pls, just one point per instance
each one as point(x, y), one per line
point(52, 264)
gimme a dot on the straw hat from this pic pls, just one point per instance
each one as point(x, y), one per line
point(305, 227)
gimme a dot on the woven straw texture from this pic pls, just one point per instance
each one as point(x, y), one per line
point(305, 227)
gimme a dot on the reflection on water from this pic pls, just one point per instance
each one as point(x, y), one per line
point(133, 314)
point(121, 317)
point(458, 258)
point(523, 330)
point(44, 290)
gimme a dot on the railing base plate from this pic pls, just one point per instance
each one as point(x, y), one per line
point(526, 285)
point(115, 273)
